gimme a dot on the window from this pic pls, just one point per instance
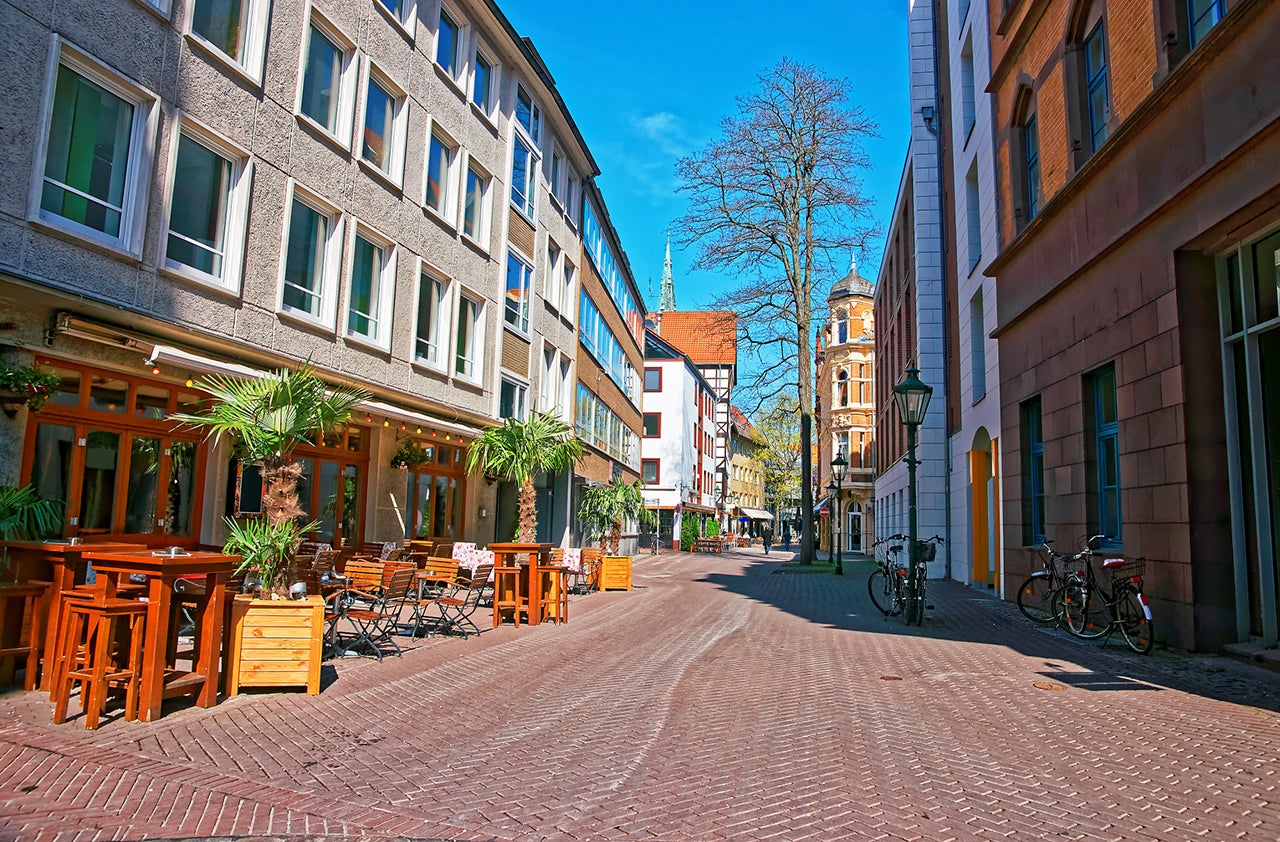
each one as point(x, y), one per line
point(968, 110)
point(442, 162)
point(568, 280)
point(312, 254)
point(973, 217)
point(842, 327)
point(519, 275)
point(572, 193)
point(476, 206)
point(96, 163)
point(559, 177)
point(208, 196)
point(653, 380)
point(597, 337)
point(552, 289)
point(327, 80)
point(1032, 474)
point(511, 401)
point(557, 383)
point(369, 294)
point(842, 388)
point(402, 12)
point(649, 470)
point(529, 115)
point(429, 331)
point(523, 182)
point(232, 30)
point(1101, 392)
point(484, 73)
point(1025, 155)
point(384, 125)
point(652, 425)
point(1203, 15)
point(600, 427)
point(1097, 97)
point(978, 346)
point(449, 43)
point(467, 360)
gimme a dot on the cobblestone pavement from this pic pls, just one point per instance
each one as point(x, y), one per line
point(727, 697)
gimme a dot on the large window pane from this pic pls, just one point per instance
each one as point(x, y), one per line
point(197, 220)
point(108, 394)
point(1266, 278)
point(441, 504)
point(350, 505)
point(143, 489)
point(180, 499)
point(366, 271)
point(330, 500)
point(439, 160)
point(517, 307)
point(454, 529)
point(220, 23)
point(321, 79)
point(425, 343)
point(379, 116)
point(86, 164)
point(472, 219)
point(521, 177)
point(51, 470)
point(304, 260)
point(481, 83)
point(447, 45)
point(98, 486)
point(464, 362)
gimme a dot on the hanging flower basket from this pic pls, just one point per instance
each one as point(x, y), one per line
point(408, 455)
point(27, 385)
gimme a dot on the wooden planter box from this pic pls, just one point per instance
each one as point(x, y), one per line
point(615, 573)
point(275, 643)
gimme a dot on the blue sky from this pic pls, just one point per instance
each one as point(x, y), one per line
point(649, 82)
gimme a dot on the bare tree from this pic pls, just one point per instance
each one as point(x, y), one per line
point(777, 200)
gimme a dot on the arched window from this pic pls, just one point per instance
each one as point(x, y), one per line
point(842, 388)
point(1088, 79)
point(842, 326)
point(1024, 158)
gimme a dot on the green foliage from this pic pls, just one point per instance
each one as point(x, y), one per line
point(711, 528)
point(265, 548)
point(409, 455)
point(25, 515)
point(32, 382)
point(605, 508)
point(779, 432)
point(688, 531)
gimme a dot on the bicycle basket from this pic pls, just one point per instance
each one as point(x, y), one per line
point(1066, 565)
point(1128, 570)
point(926, 551)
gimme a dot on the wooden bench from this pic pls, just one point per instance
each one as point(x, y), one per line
point(707, 545)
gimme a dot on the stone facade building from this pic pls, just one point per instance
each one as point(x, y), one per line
point(393, 191)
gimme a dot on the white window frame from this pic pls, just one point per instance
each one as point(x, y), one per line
point(406, 21)
point(495, 80)
point(573, 210)
point(332, 257)
point(386, 287)
point(484, 226)
point(526, 297)
point(522, 392)
point(138, 160)
point(536, 118)
point(530, 189)
point(558, 174)
point(449, 214)
point(568, 278)
point(349, 78)
point(461, 52)
point(552, 288)
point(478, 337)
point(254, 18)
point(394, 172)
point(547, 398)
point(237, 209)
point(443, 325)
point(163, 8)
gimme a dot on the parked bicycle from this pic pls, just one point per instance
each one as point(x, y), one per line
point(1037, 593)
point(1090, 606)
point(886, 582)
point(914, 598)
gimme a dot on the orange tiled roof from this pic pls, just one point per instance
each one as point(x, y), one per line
point(740, 421)
point(708, 337)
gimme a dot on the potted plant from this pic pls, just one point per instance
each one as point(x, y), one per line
point(519, 451)
point(408, 455)
point(25, 515)
point(602, 512)
point(25, 384)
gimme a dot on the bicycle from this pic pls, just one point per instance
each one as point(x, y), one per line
point(926, 550)
point(1090, 608)
point(1036, 595)
point(885, 584)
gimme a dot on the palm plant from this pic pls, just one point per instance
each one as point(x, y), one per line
point(263, 546)
point(25, 514)
point(266, 419)
point(604, 508)
point(519, 451)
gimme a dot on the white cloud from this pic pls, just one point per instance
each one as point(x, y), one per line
point(665, 130)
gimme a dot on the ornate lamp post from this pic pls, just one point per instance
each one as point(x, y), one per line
point(912, 397)
point(838, 465)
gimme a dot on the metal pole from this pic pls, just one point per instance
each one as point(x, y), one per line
point(912, 557)
point(839, 530)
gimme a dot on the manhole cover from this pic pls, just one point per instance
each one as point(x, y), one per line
point(1048, 685)
point(890, 678)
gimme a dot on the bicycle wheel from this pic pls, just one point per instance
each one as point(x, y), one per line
point(915, 601)
point(1081, 611)
point(880, 587)
point(1035, 599)
point(1136, 627)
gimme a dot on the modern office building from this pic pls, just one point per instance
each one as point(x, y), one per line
point(395, 192)
point(1138, 162)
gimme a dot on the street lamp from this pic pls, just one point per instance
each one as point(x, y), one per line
point(912, 397)
point(838, 465)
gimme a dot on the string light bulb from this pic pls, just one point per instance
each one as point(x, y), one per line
point(190, 382)
point(402, 426)
point(419, 430)
point(155, 369)
point(386, 422)
point(368, 419)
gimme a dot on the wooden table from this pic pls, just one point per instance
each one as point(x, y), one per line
point(536, 562)
point(158, 681)
point(64, 565)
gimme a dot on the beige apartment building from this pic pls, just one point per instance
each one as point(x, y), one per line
point(393, 190)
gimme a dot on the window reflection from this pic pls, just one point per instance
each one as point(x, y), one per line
point(143, 489)
point(179, 503)
point(98, 486)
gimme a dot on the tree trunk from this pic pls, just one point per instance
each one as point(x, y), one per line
point(615, 537)
point(528, 513)
point(280, 492)
point(805, 384)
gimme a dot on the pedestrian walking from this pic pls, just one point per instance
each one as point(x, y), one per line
point(786, 537)
point(766, 537)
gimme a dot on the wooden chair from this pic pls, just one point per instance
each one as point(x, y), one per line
point(466, 598)
point(591, 567)
point(94, 621)
point(33, 599)
point(376, 623)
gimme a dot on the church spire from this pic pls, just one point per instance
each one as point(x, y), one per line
point(667, 291)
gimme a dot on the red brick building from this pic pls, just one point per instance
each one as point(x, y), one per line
point(1138, 149)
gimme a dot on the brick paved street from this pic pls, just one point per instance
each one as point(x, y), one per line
point(727, 697)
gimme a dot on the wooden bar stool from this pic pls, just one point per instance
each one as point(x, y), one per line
point(96, 669)
point(506, 594)
point(31, 598)
point(555, 593)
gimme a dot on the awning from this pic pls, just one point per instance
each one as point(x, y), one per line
point(177, 356)
point(755, 514)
